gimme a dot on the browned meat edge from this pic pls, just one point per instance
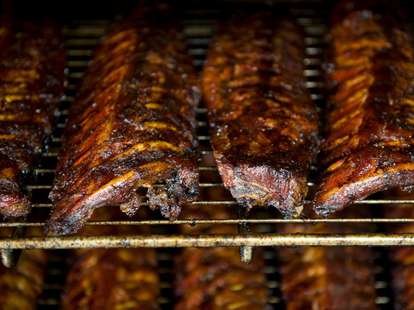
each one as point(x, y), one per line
point(263, 123)
point(369, 132)
point(131, 127)
point(31, 84)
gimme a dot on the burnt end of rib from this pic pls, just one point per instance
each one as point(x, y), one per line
point(369, 142)
point(402, 269)
point(265, 185)
point(264, 125)
point(131, 127)
point(14, 159)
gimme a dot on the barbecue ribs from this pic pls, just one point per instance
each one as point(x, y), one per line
point(263, 123)
point(370, 122)
point(131, 127)
point(31, 84)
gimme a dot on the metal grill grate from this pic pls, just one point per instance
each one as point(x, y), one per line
point(81, 37)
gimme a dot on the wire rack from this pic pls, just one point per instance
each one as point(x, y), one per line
point(81, 37)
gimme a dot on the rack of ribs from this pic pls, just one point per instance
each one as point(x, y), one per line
point(131, 127)
point(263, 123)
point(216, 278)
point(31, 85)
point(324, 278)
point(21, 286)
point(370, 120)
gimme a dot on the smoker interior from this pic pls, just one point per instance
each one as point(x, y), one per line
point(82, 34)
point(200, 18)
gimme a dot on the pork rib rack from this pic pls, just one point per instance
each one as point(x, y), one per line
point(370, 122)
point(31, 84)
point(131, 127)
point(263, 123)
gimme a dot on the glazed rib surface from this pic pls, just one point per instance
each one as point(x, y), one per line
point(31, 84)
point(21, 286)
point(131, 126)
point(216, 278)
point(263, 123)
point(369, 140)
point(326, 278)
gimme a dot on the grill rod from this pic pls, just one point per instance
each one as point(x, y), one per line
point(175, 241)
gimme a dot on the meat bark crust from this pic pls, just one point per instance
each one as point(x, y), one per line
point(132, 126)
point(370, 124)
point(22, 285)
point(31, 85)
point(263, 123)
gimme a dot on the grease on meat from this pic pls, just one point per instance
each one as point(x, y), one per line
point(131, 127)
point(369, 142)
point(263, 122)
point(31, 84)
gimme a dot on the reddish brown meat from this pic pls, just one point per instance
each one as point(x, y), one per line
point(31, 84)
point(215, 278)
point(263, 123)
point(131, 126)
point(327, 278)
point(21, 286)
point(113, 279)
point(369, 143)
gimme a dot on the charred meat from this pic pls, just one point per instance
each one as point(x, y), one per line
point(263, 123)
point(113, 279)
point(131, 127)
point(31, 84)
point(370, 120)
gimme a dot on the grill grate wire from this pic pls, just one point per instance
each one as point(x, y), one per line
point(81, 37)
